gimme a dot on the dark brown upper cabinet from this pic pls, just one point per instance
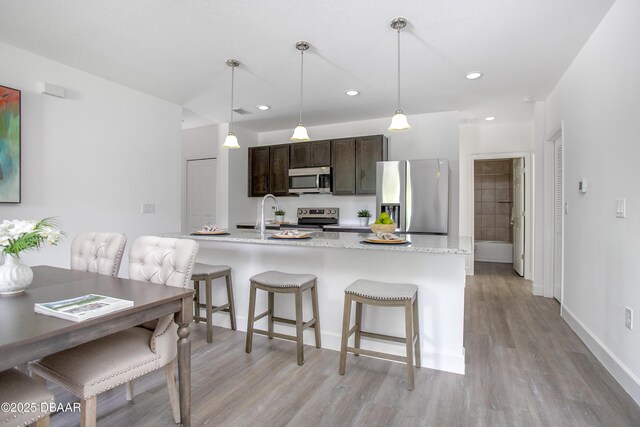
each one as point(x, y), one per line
point(258, 171)
point(279, 169)
point(354, 163)
point(310, 154)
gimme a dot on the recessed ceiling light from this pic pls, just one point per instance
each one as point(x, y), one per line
point(352, 92)
point(489, 118)
point(474, 75)
point(263, 107)
point(528, 99)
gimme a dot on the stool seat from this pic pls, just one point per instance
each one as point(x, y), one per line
point(278, 279)
point(205, 269)
point(381, 290)
point(16, 387)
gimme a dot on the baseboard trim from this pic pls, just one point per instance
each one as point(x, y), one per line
point(627, 379)
point(537, 290)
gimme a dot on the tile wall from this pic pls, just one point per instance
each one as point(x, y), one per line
point(493, 191)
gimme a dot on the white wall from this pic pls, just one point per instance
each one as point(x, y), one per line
point(432, 136)
point(597, 99)
point(206, 142)
point(92, 158)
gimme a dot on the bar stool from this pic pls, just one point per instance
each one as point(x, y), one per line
point(208, 273)
point(277, 282)
point(387, 295)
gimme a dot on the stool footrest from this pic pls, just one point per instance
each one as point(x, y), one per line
point(260, 316)
point(275, 334)
point(381, 355)
point(383, 337)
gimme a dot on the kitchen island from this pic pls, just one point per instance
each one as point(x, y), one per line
point(435, 263)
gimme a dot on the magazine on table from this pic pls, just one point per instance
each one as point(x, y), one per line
point(82, 308)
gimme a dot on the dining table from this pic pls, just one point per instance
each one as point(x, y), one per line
point(26, 335)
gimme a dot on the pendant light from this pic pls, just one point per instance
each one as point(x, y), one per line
point(300, 132)
point(231, 141)
point(399, 121)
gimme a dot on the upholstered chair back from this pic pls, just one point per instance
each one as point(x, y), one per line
point(98, 252)
point(162, 260)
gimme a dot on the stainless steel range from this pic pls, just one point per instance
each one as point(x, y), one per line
point(316, 217)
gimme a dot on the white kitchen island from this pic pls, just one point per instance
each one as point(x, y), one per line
point(435, 263)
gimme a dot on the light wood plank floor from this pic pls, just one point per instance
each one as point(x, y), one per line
point(525, 367)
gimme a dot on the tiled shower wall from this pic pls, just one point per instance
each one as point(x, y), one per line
point(493, 185)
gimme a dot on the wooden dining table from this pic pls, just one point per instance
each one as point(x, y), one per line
point(26, 335)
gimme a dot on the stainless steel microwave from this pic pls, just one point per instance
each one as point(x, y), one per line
point(310, 180)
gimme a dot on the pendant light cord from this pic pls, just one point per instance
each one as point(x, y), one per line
point(233, 69)
point(399, 107)
point(301, 77)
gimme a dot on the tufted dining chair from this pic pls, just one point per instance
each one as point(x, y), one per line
point(100, 365)
point(98, 252)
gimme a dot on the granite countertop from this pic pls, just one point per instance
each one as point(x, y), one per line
point(419, 242)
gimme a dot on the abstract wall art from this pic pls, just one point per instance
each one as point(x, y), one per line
point(9, 145)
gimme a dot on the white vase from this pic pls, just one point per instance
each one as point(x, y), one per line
point(364, 221)
point(280, 218)
point(15, 276)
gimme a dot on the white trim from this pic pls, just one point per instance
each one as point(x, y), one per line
point(625, 377)
point(529, 203)
point(548, 208)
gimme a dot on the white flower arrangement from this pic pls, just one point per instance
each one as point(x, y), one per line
point(23, 235)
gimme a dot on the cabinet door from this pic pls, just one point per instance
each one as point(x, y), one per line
point(320, 153)
point(279, 169)
point(369, 150)
point(343, 161)
point(258, 171)
point(300, 155)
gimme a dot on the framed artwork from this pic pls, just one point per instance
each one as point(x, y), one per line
point(9, 145)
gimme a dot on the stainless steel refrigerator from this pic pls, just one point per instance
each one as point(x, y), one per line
point(415, 193)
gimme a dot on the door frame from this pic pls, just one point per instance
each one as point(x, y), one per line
point(549, 190)
point(528, 201)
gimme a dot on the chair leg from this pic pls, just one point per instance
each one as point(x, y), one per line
point(299, 341)
point(209, 301)
point(43, 422)
point(408, 320)
point(270, 316)
point(88, 409)
point(346, 319)
point(356, 343)
point(196, 301)
point(232, 305)
point(252, 307)
point(129, 389)
point(316, 313)
point(174, 400)
point(416, 331)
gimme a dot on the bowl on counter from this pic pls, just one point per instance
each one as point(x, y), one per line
point(383, 228)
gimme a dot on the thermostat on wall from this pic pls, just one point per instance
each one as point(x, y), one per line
point(582, 185)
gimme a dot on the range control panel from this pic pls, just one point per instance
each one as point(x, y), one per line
point(330, 213)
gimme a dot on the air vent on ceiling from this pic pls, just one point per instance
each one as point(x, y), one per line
point(241, 111)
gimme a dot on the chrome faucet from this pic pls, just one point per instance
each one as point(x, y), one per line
point(262, 225)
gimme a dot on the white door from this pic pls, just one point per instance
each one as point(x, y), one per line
point(517, 215)
point(558, 218)
point(202, 191)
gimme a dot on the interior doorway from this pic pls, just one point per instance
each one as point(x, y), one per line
point(501, 200)
point(202, 192)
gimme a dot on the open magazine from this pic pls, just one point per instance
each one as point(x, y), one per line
point(82, 308)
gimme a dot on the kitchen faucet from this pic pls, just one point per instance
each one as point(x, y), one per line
point(262, 225)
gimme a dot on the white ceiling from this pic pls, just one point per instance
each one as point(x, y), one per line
point(176, 50)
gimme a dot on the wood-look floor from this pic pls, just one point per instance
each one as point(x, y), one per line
point(525, 367)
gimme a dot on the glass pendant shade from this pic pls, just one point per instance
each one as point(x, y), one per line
point(300, 134)
point(231, 141)
point(399, 122)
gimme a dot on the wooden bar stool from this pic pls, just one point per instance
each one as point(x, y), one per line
point(208, 273)
point(387, 295)
point(276, 282)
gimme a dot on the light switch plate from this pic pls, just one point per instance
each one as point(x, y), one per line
point(148, 208)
